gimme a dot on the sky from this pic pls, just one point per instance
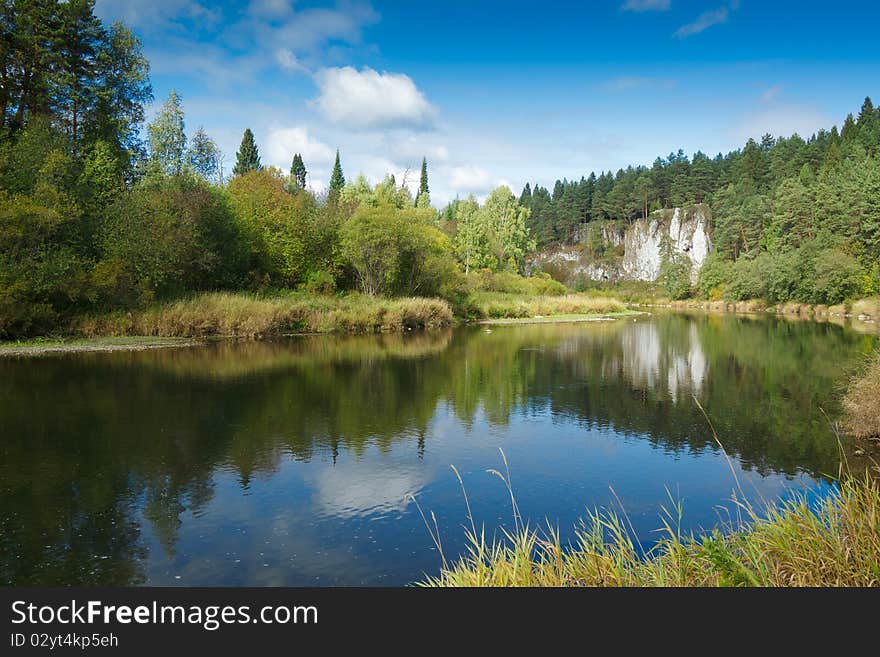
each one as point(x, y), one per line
point(508, 92)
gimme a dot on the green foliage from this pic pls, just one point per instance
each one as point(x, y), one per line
point(675, 273)
point(397, 251)
point(169, 235)
point(278, 228)
point(167, 137)
point(423, 197)
point(203, 156)
point(298, 172)
point(248, 157)
point(337, 179)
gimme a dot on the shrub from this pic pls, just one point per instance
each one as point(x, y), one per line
point(837, 277)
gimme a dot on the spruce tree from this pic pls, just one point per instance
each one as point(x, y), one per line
point(298, 172)
point(423, 197)
point(248, 156)
point(337, 180)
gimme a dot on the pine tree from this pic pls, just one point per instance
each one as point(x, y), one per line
point(248, 156)
point(74, 80)
point(423, 197)
point(337, 179)
point(298, 172)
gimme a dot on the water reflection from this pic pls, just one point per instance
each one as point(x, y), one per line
point(289, 462)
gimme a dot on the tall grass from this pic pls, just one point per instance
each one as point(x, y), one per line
point(862, 402)
point(500, 305)
point(795, 543)
point(244, 315)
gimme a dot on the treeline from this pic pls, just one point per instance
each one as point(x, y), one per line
point(100, 213)
point(794, 219)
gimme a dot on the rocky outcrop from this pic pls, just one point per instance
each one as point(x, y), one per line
point(636, 252)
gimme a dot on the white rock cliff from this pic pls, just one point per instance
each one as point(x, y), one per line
point(679, 231)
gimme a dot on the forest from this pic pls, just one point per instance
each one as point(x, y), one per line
point(103, 211)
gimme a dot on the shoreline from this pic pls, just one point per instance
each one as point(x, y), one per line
point(559, 319)
point(95, 345)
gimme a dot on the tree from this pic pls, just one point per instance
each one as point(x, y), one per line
point(167, 137)
point(120, 99)
point(423, 197)
point(298, 172)
point(337, 179)
point(203, 156)
point(74, 80)
point(471, 245)
point(397, 250)
point(248, 157)
point(503, 221)
point(30, 31)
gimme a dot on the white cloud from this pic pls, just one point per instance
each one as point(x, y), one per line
point(270, 8)
point(288, 60)
point(412, 149)
point(782, 121)
point(646, 5)
point(282, 143)
point(149, 13)
point(704, 22)
point(771, 93)
point(367, 98)
point(469, 179)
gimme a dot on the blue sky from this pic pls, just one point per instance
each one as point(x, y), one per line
point(503, 92)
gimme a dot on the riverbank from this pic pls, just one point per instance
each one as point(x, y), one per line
point(43, 347)
point(835, 542)
point(862, 402)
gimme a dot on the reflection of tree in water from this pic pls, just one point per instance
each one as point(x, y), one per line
point(89, 440)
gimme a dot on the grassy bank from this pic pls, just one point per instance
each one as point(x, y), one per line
point(244, 315)
point(862, 402)
point(46, 346)
point(798, 543)
point(504, 305)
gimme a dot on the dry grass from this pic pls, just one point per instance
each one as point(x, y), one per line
point(243, 315)
point(862, 403)
point(833, 543)
point(868, 307)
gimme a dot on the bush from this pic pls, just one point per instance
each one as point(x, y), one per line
point(714, 276)
point(397, 251)
point(171, 234)
point(837, 277)
point(321, 283)
point(747, 278)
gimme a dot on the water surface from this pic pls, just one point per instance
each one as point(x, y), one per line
point(291, 462)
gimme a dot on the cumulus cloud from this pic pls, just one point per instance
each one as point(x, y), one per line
point(707, 20)
point(469, 179)
point(646, 5)
point(283, 143)
point(367, 99)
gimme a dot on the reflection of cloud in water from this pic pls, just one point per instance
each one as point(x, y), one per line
point(365, 487)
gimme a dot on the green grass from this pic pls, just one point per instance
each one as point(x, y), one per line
point(540, 319)
point(245, 315)
point(795, 543)
point(504, 305)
